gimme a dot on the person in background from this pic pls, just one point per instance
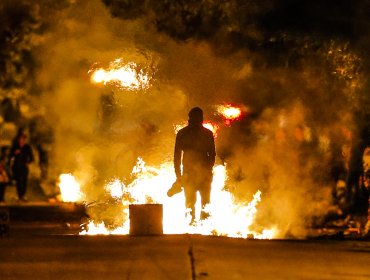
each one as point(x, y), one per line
point(195, 151)
point(20, 157)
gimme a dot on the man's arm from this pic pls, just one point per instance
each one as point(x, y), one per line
point(177, 156)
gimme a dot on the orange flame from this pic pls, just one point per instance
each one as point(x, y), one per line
point(227, 217)
point(126, 76)
point(229, 113)
point(70, 189)
point(212, 127)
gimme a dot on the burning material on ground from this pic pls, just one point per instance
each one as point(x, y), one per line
point(127, 76)
point(227, 217)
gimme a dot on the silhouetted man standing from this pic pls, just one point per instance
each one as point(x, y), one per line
point(195, 150)
point(20, 157)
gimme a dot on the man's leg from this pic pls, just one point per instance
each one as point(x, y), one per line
point(22, 183)
point(190, 200)
point(190, 191)
point(205, 194)
point(19, 186)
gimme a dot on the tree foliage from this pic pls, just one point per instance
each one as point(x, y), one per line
point(17, 22)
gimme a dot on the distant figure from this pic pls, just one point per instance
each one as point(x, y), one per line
point(20, 157)
point(195, 150)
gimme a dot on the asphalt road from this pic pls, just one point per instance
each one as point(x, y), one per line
point(180, 257)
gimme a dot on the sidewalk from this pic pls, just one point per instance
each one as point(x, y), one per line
point(42, 218)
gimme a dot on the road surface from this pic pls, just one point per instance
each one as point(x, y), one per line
point(180, 257)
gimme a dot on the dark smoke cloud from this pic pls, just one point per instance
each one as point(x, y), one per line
point(246, 21)
point(206, 20)
point(329, 18)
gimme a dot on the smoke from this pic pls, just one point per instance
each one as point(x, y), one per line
point(300, 75)
point(301, 91)
point(101, 130)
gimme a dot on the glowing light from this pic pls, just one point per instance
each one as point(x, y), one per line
point(268, 233)
point(229, 113)
point(99, 76)
point(70, 189)
point(126, 76)
point(227, 218)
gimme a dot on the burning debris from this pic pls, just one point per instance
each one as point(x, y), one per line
point(227, 217)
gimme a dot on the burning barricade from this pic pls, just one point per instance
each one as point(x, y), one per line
point(227, 217)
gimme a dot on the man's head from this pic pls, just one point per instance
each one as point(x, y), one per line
point(22, 139)
point(195, 116)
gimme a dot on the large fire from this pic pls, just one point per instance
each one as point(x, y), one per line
point(227, 218)
point(125, 75)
